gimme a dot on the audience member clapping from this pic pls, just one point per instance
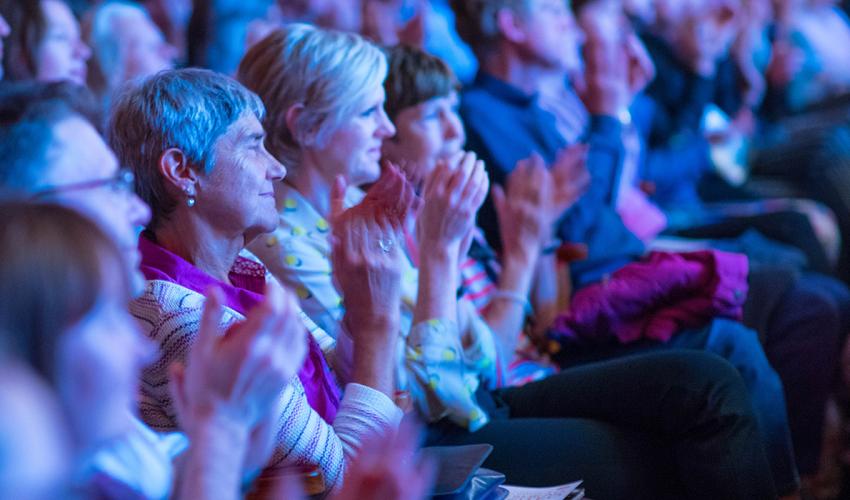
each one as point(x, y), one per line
point(139, 460)
point(152, 337)
point(447, 357)
point(210, 183)
point(422, 101)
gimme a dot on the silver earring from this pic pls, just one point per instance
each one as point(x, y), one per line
point(190, 200)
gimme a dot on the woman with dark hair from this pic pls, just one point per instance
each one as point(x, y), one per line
point(45, 42)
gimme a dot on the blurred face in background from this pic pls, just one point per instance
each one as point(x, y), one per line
point(100, 359)
point(425, 133)
point(143, 50)
point(549, 35)
point(84, 175)
point(61, 55)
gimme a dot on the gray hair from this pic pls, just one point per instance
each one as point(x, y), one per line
point(186, 109)
point(329, 72)
point(105, 39)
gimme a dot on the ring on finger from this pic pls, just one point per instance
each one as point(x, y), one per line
point(386, 244)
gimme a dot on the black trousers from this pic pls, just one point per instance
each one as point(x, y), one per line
point(674, 424)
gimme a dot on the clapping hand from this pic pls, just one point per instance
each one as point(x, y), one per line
point(233, 379)
point(367, 264)
point(239, 374)
point(366, 257)
point(394, 195)
point(535, 197)
point(453, 194)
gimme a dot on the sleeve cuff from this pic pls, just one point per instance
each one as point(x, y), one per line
point(378, 402)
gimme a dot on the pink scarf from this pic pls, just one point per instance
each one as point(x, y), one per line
point(246, 292)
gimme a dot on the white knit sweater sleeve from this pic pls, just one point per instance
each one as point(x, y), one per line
point(169, 314)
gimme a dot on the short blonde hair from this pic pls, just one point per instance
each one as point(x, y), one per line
point(329, 72)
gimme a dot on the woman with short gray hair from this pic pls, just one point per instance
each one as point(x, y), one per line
point(194, 140)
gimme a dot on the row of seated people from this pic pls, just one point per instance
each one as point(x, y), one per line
point(432, 311)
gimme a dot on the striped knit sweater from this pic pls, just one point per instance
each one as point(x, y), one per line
point(170, 314)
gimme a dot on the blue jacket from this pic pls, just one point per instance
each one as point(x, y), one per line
point(504, 125)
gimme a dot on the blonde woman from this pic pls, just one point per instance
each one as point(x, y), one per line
point(613, 424)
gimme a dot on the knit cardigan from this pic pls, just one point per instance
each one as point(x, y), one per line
point(170, 314)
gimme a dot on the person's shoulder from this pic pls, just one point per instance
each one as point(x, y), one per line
point(165, 293)
point(476, 97)
point(162, 299)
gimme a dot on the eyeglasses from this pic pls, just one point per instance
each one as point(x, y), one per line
point(121, 182)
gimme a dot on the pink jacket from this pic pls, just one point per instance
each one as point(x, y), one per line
point(658, 297)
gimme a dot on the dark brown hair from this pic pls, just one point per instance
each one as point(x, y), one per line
point(28, 23)
point(414, 77)
point(52, 273)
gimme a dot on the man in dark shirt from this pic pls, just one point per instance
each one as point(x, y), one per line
point(518, 46)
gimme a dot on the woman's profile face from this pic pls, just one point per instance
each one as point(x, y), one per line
point(145, 51)
point(426, 133)
point(100, 358)
point(354, 149)
point(237, 195)
point(61, 55)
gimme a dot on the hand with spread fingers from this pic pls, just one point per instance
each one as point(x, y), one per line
point(238, 374)
point(227, 392)
point(535, 197)
point(522, 208)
